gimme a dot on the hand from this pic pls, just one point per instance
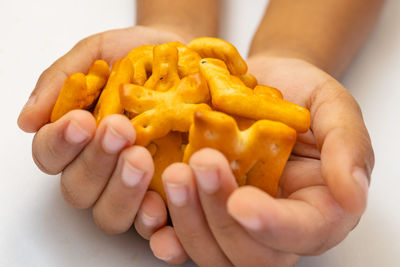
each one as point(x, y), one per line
point(323, 188)
point(101, 168)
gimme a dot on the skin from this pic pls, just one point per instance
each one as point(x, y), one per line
point(320, 199)
point(183, 17)
point(328, 40)
point(324, 187)
point(307, 219)
point(92, 169)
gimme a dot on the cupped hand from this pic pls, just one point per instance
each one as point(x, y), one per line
point(100, 168)
point(323, 190)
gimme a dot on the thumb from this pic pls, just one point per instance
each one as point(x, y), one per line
point(347, 157)
point(37, 110)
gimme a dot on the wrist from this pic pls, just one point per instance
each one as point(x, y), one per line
point(287, 53)
point(180, 34)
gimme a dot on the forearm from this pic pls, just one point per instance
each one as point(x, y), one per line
point(327, 33)
point(188, 18)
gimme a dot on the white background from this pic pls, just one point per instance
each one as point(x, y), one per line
point(38, 229)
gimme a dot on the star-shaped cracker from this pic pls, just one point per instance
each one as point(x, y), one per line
point(80, 91)
point(233, 97)
point(261, 150)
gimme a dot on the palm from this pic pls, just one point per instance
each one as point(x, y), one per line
point(297, 80)
point(116, 44)
point(303, 84)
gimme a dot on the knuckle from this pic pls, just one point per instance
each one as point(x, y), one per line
point(92, 43)
point(109, 224)
point(188, 235)
point(42, 76)
point(41, 156)
point(41, 165)
point(88, 41)
point(94, 171)
point(53, 150)
point(226, 225)
point(71, 197)
point(120, 207)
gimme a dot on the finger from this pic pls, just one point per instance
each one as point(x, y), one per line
point(152, 215)
point(216, 182)
point(166, 246)
point(36, 111)
point(306, 146)
point(109, 46)
point(347, 157)
point(300, 173)
point(308, 223)
point(83, 180)
point(56, 144)
point(188, 219)
point(115, 210)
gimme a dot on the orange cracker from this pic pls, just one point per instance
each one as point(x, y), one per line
point(80, 91)
point(142, 62)
point(232, 97)
point(188, 60)
point(165, 68)
point(257, 155)
point(109, 101)
point(165, 151)
point(209, 47)
point(248, 80)
point(162, 112)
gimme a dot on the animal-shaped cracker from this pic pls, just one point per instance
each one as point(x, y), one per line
point(165, 103)
point(165, 151)
point(80, 91)
point(265, 147)
point(230, 96)
point(243, 123)
point(162, 112)
point(165, 68)
point(267, 90)
point(142, 62)
point(248, 80)
point(188, 60)
point(109, 101)
point(209, 47)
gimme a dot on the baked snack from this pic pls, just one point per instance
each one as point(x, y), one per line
point(80, 91)
point(183, 98)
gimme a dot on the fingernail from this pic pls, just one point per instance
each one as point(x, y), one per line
point(74, 134)
point(131, 176)
point(164, 258)
point(361, 179)
point(148, 220)
point(177, 194)
point(207, 178)
point(30, 102)
point(112, 141)
point(252, 223)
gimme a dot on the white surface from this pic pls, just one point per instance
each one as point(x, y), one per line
point(38, 229)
